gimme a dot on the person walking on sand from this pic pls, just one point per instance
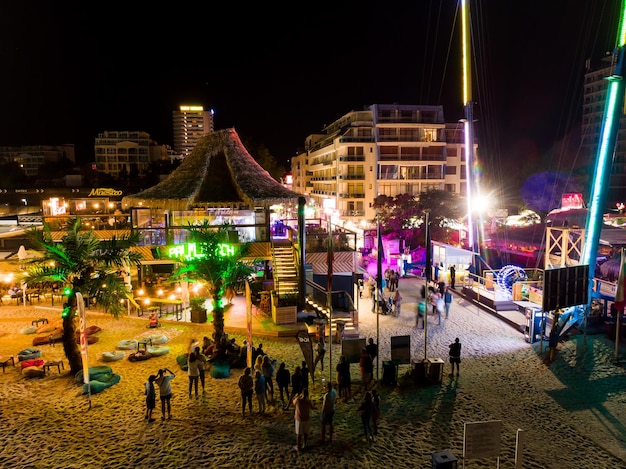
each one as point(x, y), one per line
point(246, 385)
point(376, 410)
point(259, 389)
point(328, 412)
point(367, 368)
point(366, 409)
point(283, 378)
point(164, 382)
point(455, 356)
point(452, 276)
point(447, 299)
point(150, 397)
point(302, 417)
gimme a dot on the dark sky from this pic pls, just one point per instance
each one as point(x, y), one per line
point(278, 74)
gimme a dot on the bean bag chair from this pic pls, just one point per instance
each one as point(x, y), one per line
point(220, 369)
point(158, 339)
point(28, 330)
point(128, 344)
point(31, 362)
point(33, 372)
point(28, 353)
point(158, 351)
point(182, 362)
point(41, 340)
point(90, 339)
point(56, 336)
point(94, 373)
point(139, 355)
point(113, 356)
point(100, 384)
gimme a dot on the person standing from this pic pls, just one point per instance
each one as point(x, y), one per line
point(259, 389)
point(375, 410)
point(302, 417)
point(320, 351)
point(455, 356)
point(344, 378)
point(366, 409)
point(193, 372)
point(150, 397)
point(305, 375)
point(165, 391)
point(372, 348)
point(447, 299)
point(296, 385)
point(283, 377)
point(397, 301)
point(202, 361)
point(328, 412)
point(367, 368)
point(452, 276)
point(246, 384)
point(268, 374)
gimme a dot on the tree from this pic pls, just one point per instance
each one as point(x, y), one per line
point(444, 207)
point(83, 263)
point(218, 263)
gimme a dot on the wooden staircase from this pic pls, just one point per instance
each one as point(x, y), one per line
point(316, 301)
point(284, 268)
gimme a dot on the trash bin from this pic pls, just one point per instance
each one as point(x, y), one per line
point(389, 373)
point(611, 328)
point(444, 460)
point(419, 372)
point(435, 370)
point(339, 328)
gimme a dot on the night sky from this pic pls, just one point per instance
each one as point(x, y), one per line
point(70, 71)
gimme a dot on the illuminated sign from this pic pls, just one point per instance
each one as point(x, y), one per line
point(190, 251)
point(104, 192)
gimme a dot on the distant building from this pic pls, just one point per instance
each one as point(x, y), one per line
point(31, 157)
point(127, 150)
point(383, 149)
point(594, 98)
point(190, 124)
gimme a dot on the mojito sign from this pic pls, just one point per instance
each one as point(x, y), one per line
point(190, 251)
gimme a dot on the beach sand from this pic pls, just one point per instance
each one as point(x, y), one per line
point(570, 412)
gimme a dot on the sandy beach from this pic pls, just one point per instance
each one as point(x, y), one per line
point(571, 412)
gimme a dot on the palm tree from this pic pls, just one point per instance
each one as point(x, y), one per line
point(217, 263)
point(83, 263)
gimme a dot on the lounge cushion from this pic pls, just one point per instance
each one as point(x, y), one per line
point(139, 355)
point(94, 372)
point(45, 328)
point(182, 362)
point(128, 344)
point(158, 350)
point(113, 356)
point(100, 384)
point(33, 372)
point(220, 369)
point(28, 330)
point(28, 353)
point(31, 362)
point(158, 339)
point(41, 340)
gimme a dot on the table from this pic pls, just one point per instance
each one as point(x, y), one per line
point(177, 304)
point(36, 322)
point(59, 364)
point(4, 361)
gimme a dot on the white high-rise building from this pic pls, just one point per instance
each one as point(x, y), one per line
point(190, 124)
point(385, 149)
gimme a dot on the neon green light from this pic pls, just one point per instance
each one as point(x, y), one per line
point(621, 38)
point(190, 251)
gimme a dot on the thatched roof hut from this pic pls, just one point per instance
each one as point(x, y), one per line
point(219, 173)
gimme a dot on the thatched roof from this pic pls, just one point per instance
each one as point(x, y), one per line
point(219, 173)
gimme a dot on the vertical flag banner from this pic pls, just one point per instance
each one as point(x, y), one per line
point(80, 305)
point(306, 345)
point(249, 324)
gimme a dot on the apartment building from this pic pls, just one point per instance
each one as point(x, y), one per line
point(382, 149)
point(190, 124)
point(128, 151)
point(594, 99)
point(31, 157)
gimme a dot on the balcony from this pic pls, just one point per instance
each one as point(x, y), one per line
point(351, 195)
point(352, 158)
point(352, 177)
